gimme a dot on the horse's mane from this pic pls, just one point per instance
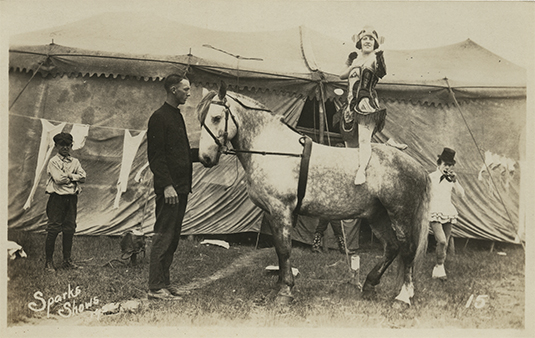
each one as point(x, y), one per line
point(247, 102)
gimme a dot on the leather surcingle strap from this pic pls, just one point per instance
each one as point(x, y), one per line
point(303, 173)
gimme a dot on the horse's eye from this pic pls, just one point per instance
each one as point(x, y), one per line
point(216, 119)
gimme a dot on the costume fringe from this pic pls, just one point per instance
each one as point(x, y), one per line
point(441, 218)
point(377, 118)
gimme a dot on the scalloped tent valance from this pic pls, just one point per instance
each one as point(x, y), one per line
point(285, 61)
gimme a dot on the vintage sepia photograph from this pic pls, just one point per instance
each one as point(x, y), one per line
point(299, 168)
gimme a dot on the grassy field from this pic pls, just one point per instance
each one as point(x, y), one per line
point(231, 288)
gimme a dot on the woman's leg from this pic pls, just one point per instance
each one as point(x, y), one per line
point(365, 151)
point(441, 240)
point(447, 234)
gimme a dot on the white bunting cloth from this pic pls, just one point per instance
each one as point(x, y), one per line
point(130, 147)
point(79, 134)
point(45, 150)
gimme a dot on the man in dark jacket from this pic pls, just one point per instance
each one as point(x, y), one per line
point(170, 160)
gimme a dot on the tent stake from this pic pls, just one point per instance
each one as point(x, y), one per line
point(257, 238)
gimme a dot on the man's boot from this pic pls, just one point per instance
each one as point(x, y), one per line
point(316, 244)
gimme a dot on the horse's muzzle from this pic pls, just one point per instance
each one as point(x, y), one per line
point(208, 161)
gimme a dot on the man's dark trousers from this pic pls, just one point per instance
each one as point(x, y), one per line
point(165, 239)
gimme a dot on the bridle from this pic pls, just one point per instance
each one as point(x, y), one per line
point(305, 141)
point(222, 146)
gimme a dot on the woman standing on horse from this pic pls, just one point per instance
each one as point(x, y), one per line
point(364, 69)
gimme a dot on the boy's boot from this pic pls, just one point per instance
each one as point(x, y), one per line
point(67, 246)
point(316, 244)
point(50, 243)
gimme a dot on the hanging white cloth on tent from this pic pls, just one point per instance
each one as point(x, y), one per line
point(79, 134)
point(130, 147)
point(45, 150)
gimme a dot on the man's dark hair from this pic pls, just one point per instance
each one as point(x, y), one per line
point(172, 80)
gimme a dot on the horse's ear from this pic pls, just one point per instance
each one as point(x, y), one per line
point(205, 92)
point(222, 90)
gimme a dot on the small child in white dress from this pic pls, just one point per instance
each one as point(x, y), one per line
point(442, 211)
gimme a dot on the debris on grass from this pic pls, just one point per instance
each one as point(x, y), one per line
point(481, 301)
point(14, 251)
point(110, 308)
point(216, 242)
point(275, 268)
point(130, 306)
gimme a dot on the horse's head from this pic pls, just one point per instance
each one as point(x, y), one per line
point(218, 126)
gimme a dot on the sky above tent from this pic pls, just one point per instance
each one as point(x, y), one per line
point(503, 27)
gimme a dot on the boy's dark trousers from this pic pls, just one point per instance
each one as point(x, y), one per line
point(167, 231)
point(61, 211)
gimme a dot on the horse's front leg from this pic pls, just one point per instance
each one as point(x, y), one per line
point(381, 227)
point(281, 226)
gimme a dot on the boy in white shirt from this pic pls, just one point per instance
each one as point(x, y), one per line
point(65, 174)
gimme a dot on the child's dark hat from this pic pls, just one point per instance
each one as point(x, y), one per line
point(447, 156)
point(63, 138)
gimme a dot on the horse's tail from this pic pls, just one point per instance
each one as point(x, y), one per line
point(420, 230)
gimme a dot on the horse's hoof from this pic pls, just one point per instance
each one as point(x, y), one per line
point(369, 294)
point(400, 305)
point(283, 300)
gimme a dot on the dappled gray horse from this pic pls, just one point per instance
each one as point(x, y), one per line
point(394, 198)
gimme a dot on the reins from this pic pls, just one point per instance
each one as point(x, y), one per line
point(305, 141)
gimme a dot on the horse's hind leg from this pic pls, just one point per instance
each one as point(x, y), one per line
point(382, 229)
point(406, 265)
point(281, 227)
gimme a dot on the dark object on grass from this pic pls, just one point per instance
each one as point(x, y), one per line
point(132, 244)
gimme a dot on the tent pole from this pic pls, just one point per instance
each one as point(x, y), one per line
point(321, 114)
point(257, 238)
point(322, 91)
point(26, 85)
